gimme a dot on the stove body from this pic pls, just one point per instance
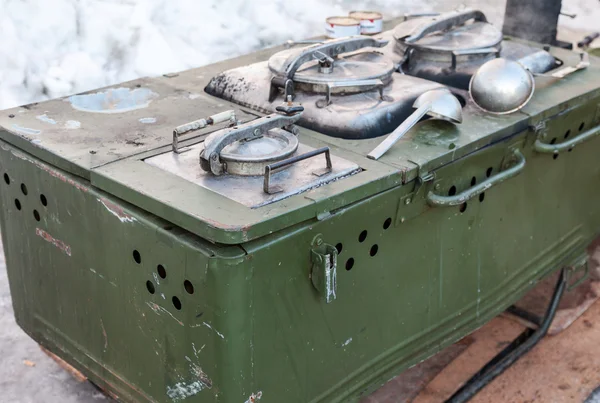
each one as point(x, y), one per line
point(162, 289)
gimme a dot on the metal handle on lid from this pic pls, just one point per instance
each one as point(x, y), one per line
point(217, 141)
point(469, 52)
point(456, 200)
point(546, 148)
point(278, 166)
point(330, 48)
point(584, 63)
point(444, 23)
point(351, 85)
point(201, 124)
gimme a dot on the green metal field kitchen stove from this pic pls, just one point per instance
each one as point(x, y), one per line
point(227, 234)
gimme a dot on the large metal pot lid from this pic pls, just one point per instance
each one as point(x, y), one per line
point(364, 64)
point(248, 157)
point(458, 35)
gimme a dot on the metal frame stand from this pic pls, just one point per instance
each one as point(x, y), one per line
point(511, 353)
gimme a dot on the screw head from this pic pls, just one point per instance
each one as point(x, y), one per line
point(407, 201)
point(437, 186)
point(319, 241)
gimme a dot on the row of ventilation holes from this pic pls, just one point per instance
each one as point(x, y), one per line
point(162, 272)
point(24, 190)
point(362, 237)
point(566, 136)
point(375, 248)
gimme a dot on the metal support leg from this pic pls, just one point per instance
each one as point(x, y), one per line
point(511, 353)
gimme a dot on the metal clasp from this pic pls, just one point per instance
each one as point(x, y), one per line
point(324, 268)
point(201, 124)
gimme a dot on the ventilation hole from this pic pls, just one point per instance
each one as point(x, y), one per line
point(36, 215)
point(161, 271)
point(473, 181)
point(150, 287)
point(463, 207)
point(43, 200)
point(373, 250)
point(387, 223)
point(17, 204)
point(555, 156)
point(362, 236)
point(553, 140)
point(489, 171)
point(24, 189)
point(570, 149)
point(176, 303)
point(349, 264)
point(339, 247)
point(137, 257)
point(567, 134)
point(581, 126)
point(482, 197)
point(189, 287)
point(7, 179)
point(452, 191)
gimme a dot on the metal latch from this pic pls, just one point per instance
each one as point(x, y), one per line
point(324, 268)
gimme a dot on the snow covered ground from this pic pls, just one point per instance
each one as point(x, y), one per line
point(52, 48)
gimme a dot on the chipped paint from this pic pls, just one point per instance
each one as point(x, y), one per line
point(347, 342)
point(255, 397)
point(213, 329)
point(46, 119)
point(72, 124)
point(116, 210)
point(193, 96)
point(36, 141)
point(104, 334)
point(158, 309)
point(148, 120)
point(25, 130)
point(113, 100)
point(182, 390)
point(56, 242)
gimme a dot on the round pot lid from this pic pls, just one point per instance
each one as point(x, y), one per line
point(355, 66)
point(249, 157)
point(456, 33)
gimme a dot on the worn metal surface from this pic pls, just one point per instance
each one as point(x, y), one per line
point(161, 290)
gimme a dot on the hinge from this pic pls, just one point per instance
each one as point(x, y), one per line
point(323, 273)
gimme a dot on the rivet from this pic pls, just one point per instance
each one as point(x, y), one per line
point(402, 219)
point(437, 186)
point(319, 242)
point(407, 201)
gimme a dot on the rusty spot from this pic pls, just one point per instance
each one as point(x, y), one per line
point(56, 242)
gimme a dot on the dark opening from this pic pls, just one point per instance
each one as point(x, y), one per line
point(7, 179)
point(463, 207)
point(339, 247)
point(24, 189)
point(189, 287)
point(43, 200)
point(162, 272)
point(489, 171)
point(373, 250)
point(150, 287)
point(567, 134)
point(473, 181)
point(17, 204)
point(362, 236)
point(581, 126)
point(482, 197)
point(137, 257)
point(177, 303)
point(452, 191)
point(387, 223)
point(36, 215)
point(350, 264)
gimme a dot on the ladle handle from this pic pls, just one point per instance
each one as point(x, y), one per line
point(400, 131)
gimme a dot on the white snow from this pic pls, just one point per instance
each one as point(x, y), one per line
point(53, 48)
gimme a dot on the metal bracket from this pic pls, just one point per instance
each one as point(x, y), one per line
point(278, 166)
point(324, 268)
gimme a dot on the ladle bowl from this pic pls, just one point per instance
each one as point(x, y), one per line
point(438, 103)
point(501, 86)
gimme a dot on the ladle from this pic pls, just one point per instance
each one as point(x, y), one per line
point(438, 103)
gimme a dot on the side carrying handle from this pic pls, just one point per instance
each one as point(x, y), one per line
point(278, 166)
point(375, 84)
point(443, 23)
point(437, 200)
point(546, 148)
